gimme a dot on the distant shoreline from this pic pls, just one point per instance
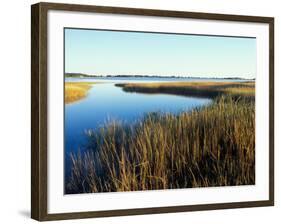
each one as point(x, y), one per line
point(81, 75)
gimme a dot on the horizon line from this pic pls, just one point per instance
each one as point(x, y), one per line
point(153, 75)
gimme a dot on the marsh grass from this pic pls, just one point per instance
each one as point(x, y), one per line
point(197, 89)
point(75, 91)
point(210, 146)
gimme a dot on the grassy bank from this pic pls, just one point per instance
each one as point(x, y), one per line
point(211, 146)
point(75, 91)
point(198, 89)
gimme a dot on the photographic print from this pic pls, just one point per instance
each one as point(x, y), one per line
point(144, 111)
point(154, 111)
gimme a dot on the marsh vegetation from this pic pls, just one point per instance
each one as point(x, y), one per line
point(75, 91)
point(213, 145)
point(198, 89)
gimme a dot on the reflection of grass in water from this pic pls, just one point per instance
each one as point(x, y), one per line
point(203, 89)
point(75, 91)
point(211, 146)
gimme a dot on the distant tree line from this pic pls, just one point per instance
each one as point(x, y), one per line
point(83, 75)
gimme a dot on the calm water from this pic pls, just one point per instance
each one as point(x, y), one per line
point(106, 102)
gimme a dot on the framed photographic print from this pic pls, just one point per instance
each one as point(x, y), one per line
point(140, 111)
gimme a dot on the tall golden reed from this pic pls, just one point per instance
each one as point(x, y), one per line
point(211, 146)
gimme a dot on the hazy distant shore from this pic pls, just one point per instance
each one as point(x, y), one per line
point(82, 75)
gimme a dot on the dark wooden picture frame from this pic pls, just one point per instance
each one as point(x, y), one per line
point(39, 106)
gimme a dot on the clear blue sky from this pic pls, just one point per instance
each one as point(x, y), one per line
point(134, 53)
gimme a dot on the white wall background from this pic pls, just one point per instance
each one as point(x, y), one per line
point(15, 111)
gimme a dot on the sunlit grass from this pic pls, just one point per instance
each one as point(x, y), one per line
point(75, 91)
point(250, 91)
point(200, 89)
point(211, 146)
